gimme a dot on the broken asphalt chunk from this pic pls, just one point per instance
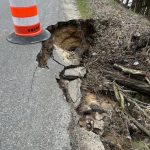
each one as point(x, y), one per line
point(65, 58)
point(74, 92)
point(74, 73)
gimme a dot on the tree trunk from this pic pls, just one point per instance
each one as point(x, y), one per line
point(138, 6)
point(147, 13)
point(133, 84)
point(133, 4)
point(127, 2)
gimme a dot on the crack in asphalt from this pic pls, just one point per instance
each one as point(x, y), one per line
point(57, 62)
point(32, 83)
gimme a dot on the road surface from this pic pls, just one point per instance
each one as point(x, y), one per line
point(33, 112)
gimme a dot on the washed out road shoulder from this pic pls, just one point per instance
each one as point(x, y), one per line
point(34, 114)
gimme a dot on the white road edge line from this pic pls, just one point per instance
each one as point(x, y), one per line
point(71, 10)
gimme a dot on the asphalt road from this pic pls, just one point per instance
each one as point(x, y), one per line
point(33, 112)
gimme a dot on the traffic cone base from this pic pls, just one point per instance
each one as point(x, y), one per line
point(26, 22)
point(23, 40)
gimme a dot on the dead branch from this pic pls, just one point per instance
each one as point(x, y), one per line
point(118, 95)
point(147, 79)
point(136, 104)
point(117, 90)
point(133, 84)
point(131, 71)
point(141, 127)
point(140, 103)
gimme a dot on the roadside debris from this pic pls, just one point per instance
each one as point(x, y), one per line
point(74, 91)
point(102, 80)
point(65, 58)
point(69, 41)
point(74, 72)
point(87, 140)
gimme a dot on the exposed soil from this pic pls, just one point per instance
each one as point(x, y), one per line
point(115, 49)
point(72, 37)
point(121, 38)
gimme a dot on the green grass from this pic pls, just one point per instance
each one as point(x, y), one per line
point(84, 9)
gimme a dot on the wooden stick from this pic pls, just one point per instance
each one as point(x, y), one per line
point(140, 103)
point(133, 84)
point(131, 71)
point(136, 104)
point(141, 127)
point(147, 79)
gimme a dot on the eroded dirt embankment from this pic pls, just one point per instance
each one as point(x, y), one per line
point(72, 38)
point(105, 78)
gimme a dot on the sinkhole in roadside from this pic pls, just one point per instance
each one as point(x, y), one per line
point(68, 43)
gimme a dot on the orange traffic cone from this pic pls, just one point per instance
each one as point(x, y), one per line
point(26, 23)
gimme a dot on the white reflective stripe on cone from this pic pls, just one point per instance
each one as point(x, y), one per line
point(22, 3)
point(26, 21)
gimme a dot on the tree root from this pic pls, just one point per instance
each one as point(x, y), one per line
point(133, 84)
point(121, 97)
point(141, 127)
point(131, 71)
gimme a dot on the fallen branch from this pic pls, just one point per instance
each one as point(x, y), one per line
point(141, 104)
point(141, 127)
point(136, 104)
point(118, 92)
point(147, 79)
point(133, 84)
point(131, 71)
point(118, 95)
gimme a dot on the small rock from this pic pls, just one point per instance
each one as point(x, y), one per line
point(89, 124)
point(86, 140)
point(94, 54)
point(86, 122)
point(136, 63)
point(98, 116)
point(75, 91)
point(84, 109)
point(129, 137)
point(137, 34)
point(99, 124)
point(75, 72)
point(64, 57)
